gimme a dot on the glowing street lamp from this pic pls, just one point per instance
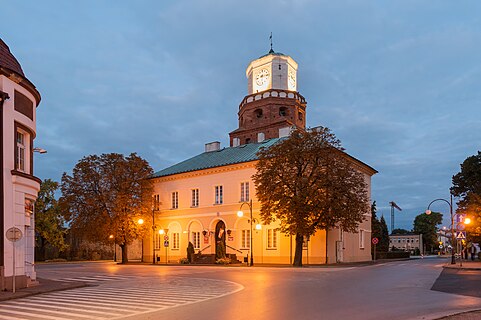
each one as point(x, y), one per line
point(140, 221)
point(258, 226)
point(467, 221)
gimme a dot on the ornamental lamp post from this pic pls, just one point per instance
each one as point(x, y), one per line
point(453, 238)
point(258, 226)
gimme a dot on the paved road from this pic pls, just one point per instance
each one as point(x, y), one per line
point(395, 290)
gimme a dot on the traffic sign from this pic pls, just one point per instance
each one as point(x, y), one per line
point(460, 234)
point(14, 234)
point(166, 243)
point(441, 246)
point(459, 217)
point(460, 226)
point(166, 238)
point(375, 240)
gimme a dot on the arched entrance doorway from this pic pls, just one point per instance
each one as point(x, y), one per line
point(220, 240)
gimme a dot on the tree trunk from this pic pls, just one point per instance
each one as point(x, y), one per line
point(125, 257)
point(298, 252)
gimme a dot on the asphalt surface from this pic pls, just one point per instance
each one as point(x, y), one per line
point(416, 289)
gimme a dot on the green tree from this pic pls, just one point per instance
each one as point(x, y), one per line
point(308, 183)
point(467, 186)
point(400, 231)
point(427, 226)
point(49, 223)
point(376, 231)
point(106, 195)
point(384, 240)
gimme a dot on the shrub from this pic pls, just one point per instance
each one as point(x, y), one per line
point(223, 261)
point(184, 261)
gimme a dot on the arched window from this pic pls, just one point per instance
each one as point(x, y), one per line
point(283, 111)
point(258, 113)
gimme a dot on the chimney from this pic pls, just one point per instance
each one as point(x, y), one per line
point(212, 146)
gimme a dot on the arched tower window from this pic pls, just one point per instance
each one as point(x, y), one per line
point(258, 113)
point(283, 111)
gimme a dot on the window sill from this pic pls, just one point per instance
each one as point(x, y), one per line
point(271, 249)
point(217, 204)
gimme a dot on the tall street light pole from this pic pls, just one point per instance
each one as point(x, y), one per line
point(154, 208)
point(453, 238)
point(258, 226)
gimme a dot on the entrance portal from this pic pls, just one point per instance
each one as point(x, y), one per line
point(220, 240)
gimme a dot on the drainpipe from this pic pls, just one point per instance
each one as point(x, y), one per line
point(3, 96)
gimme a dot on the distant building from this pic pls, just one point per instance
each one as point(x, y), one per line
point(198, 199)
point(408, 242)
point(19, 187)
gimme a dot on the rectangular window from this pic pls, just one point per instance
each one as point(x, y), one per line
point(218, 195)
point(244, 192)
point(305, 242)
point(175, 200)
point(175, 241)
point(158, 240)
point(196, 239)
point(271, 239)
point(246, 239)
point(156, 202)
point(361, 238)
point(195, 198)
point(20, 161)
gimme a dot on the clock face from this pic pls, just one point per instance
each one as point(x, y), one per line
point(292, 80)
point(262, 77)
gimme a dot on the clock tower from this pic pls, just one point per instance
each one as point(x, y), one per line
point(273, 106)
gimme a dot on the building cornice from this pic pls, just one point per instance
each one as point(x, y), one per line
point(22, 81)
point(26, 176)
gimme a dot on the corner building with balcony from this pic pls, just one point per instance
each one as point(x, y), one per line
point(19, 187)
point(198, 199)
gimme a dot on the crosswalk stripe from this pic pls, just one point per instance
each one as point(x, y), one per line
point(24, 305)
point(94, 298)
point(42, 316)
point(57, 301)
point(114, 300)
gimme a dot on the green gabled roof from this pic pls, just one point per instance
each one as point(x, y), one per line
point(219, 158)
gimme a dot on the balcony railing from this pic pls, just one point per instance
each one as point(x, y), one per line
point(272, 93)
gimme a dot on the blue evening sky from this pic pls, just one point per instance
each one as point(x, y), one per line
point(396, 81)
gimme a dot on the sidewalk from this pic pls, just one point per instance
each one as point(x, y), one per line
point(464, 265)
point(44, 286)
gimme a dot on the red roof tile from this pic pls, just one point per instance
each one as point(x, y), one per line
point(7, 60)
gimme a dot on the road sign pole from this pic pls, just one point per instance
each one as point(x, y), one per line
point(375, 252)
point(13, 279)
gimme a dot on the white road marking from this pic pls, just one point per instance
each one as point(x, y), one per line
point(115, 300)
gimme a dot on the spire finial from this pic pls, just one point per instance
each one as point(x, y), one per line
point(270, 38)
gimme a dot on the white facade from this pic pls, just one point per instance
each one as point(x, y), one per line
point(19, 100)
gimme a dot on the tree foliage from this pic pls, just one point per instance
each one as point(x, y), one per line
point(49, 223)
point(379, 230)
point(384, 241)
point(427, 225)
point(308, 183)
point(400, 231)
point(467, 186)
point(106, 195)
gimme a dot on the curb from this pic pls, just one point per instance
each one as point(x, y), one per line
point(46, 287)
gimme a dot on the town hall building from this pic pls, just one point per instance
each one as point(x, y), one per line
point(210, 199)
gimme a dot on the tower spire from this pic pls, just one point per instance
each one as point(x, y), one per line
point(270, 38)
